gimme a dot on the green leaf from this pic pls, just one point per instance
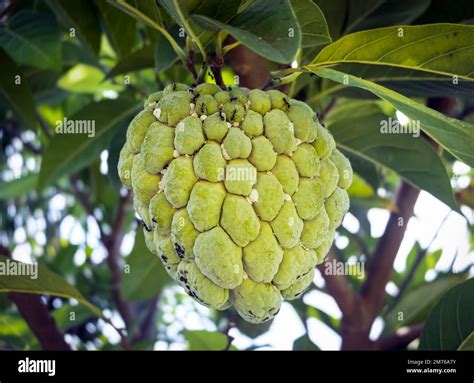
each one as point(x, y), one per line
point(268, 27)
point(342, 15)
point(221, 10)
point(468, 343)
point(165, 55)
point(146, 276)
point(32, 38)
point(392, 12)
point(147, 8)
point(202, 340)
point(18, 187)
point(356, 126)
point(45, 283)
point(415, 306)
point(437, 48)
point(82, 78)
point(120, 29)
point(443, 11)
point(314, 28)
point(82, 16)
point(70, 152)
point(455, 136)
point(135, 61)
point(451, 320)
point(69, 316)
point(15, 91)
point(303, 343)
point(409, 82)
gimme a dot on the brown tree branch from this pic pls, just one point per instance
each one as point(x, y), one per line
point(338, 287)
point(38, 318)
point(251, 68)
point(380, 267)
point(399, 339)
point(111, 243)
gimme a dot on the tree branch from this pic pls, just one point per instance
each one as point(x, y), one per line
point(380, 267)
point(338, 287)
point(251, 68)
point(38, 318)
point(399, 339)
point(111, 243)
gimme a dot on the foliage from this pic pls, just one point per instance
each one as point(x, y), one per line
point(359, 64)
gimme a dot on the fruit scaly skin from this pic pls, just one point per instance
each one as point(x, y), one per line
point(240, 191)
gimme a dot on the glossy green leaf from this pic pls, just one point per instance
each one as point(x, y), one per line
point(148, 9)
point(409, 82)
point(120, 29)
point(437, 48)
point(19, 186)
point(69, 316)
point(468, 343)
point(455, 136)
point(267, 27)
point(32, 39)
point(303, 343)
point(144, 275)
point(342, 15)
point(70, 152)
point(451, 320)
point(81, 16)
point(81, 78)
point(314, 29)
point(165, 56)
point(135, 61)
point(15, 91)
point(392, 12)
point(45, 283)
point(202, 340)
point(221, 10)
point(415, 306)
point(356, 126)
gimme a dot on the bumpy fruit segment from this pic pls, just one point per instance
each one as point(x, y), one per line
point(240, 191)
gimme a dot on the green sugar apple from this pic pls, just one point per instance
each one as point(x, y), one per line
point(240, 193)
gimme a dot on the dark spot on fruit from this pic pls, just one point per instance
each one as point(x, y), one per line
point(287, 103)
point(153, 220)
point(265, 319)
point(233, 98)
point(179, 250)
point(164, 258)
point(146, 227)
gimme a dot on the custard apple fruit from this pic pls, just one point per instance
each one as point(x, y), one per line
point(240, 193)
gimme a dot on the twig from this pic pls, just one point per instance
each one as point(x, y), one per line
point(230, 338)
point(327, 109)
point(38, 318)
point(44, 127)
point(419, 257)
